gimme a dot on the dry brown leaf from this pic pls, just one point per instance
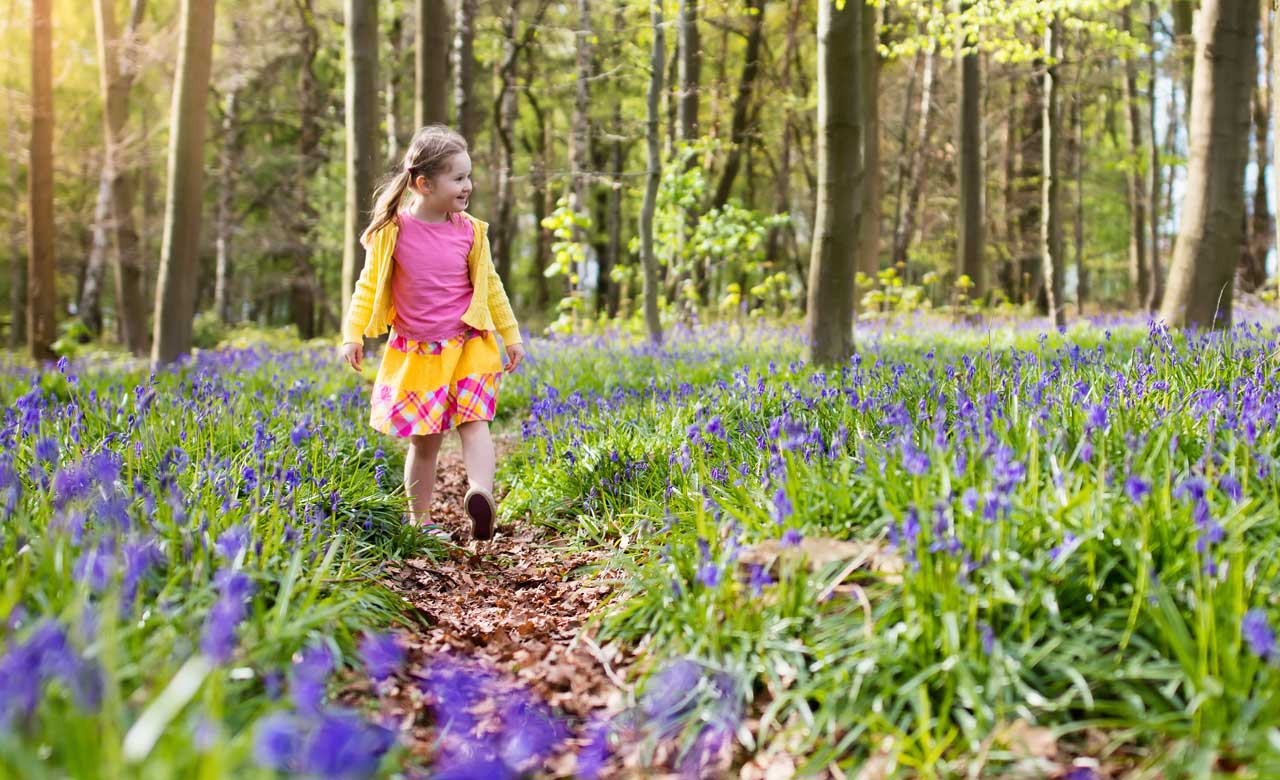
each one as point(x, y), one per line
point(1027, 741)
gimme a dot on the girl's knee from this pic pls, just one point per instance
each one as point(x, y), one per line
point(426, 443)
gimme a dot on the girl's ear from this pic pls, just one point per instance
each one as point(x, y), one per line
point(422, 184)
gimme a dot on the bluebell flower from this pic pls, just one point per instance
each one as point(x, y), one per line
point(1259, 634)
point(1136, 488)
point(382, 655)
point(792, 538)
point(759, 578)
point(232, 542)
point(276, 742)
point(595, 753)
point(782, 508)
point(342, 746)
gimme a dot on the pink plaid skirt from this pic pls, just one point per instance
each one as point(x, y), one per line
point(431, 386)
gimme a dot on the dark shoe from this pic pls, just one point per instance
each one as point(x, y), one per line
point(483, 511)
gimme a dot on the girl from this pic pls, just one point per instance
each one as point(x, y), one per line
point(429, 277)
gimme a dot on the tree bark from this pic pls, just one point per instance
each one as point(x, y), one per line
point(464, 68)
point(1138, 277)
point(1273, 34)
point(653, 173)
point(1077, 169)
point(1155, 273)
point(1030, 201)
point(1185, 44)
point(690, 69)
point(89, 307)
point(431, 63)
point(742, 105)
point(1253, 270)
point(1051, 225)
point(829, 316)
point(18, 260)
point(971, 223)
point(1010, 270)
point(869, 239)
point(117, 71)
point(362, 131)
point(580, 136)
point(392, 124)
point(539, 151)
point(41, 293)
point(180, 253)
point(1209, 236)
point(228, 158)
point(782, 238)
point(304, 287)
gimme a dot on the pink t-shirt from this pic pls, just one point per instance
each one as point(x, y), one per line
point(430, 281)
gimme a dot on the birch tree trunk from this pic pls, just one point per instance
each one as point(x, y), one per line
point(1138, 277)
point(1202, 271)
point(464, 68)
point(829, 315)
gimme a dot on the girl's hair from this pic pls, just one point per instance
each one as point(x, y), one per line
point(430, 149)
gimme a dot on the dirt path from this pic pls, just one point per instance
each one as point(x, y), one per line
point(515, 603)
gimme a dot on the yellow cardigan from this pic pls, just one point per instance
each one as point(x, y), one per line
point(370, 312)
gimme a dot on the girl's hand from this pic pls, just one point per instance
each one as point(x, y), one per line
point(353, 353)
point(515, 354)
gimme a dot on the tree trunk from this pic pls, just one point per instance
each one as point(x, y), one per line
point(1051, 225)
point(971, 222)
point(782, 238)
point(89, 307)
point(690, 69)
point(18, 261)
point(464, 68)
point(829, 316)
point(580, 137)
point(504, 119)
point(1138, 281)
point(1273, 35)
point(228, 159)
point(539, 153)
point(1030, 200)
point(304, 286)
point(116, 76)
point(1253, 262)
point(1077, 168)
point(1010, 272)
point(431, 63)
point(1155, 274)
point(1185, 44)
point(362, 131)
point(617, 158)
point(391, 123)
point(653, 173)
point(42, 302)
point(869, 240)
point(1209, 236)
point(742, 104)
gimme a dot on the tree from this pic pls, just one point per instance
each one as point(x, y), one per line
point(653, 173)
point(431, 62)
point(118, 69)
point(1051, 211)
point(464, 68)
point(362, 130)
point(180, 252)
point(869, 240)
point(742, 105)
point(690, 69)
point(829, 318)
point(971, 224)
point(1210, 233)
point(41, 295)
point(1139, 268)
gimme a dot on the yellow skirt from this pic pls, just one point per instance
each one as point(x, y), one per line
point(430, 386)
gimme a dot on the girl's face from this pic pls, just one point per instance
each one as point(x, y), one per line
point(450, 189)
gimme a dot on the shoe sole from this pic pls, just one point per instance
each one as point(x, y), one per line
point(481, 514)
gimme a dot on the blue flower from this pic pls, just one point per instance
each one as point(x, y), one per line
point(792, 538)
point(1258, 633)
point(782, 508)
point(1136, 488)
point(276, 741)
point(342, 746)
point(382, 655)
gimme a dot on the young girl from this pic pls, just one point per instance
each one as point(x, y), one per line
point(429, 277)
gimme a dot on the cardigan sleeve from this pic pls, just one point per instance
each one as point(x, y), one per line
point(361, 307)
point(504, 319)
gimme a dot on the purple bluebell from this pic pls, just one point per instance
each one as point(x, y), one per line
point(382, 654)
point(782, 508)
point(594, 755)
point(1258, 633)
point(276, 741)
point(709, 574)
point(232, 542)
point(529, 732)
point(759, 578)
point(343, 746)
point(1136, 488)
point(792, 538)
point(308, 677)
point(1230, 486)
point(228, 611)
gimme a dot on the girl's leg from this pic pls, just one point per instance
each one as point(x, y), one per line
point(477, 453)
point(420, 474)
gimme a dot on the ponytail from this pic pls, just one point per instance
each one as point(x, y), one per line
point(386, 203)
point(428, 151)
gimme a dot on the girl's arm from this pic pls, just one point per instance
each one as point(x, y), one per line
point(504, 319)
point(361, 307)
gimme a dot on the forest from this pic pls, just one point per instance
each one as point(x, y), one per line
point(877, 389)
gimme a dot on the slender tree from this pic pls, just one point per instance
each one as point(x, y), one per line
point(118, 69)
point(653, 173)
point(1051, 210)
point(362, 130)
point(742, 105)
point(18, 262)
point(829, 316)
point(180, 252)
point(690, 69)
point(90, 304)
point(1155, 272)
point(431, 62)
point(971, 236)
point(1210, 233)
point(1139, 281)
point(869, 240)
point(228, 164)
point(466, 115)
point(41, 294)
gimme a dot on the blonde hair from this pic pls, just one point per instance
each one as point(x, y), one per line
point(430, 149)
